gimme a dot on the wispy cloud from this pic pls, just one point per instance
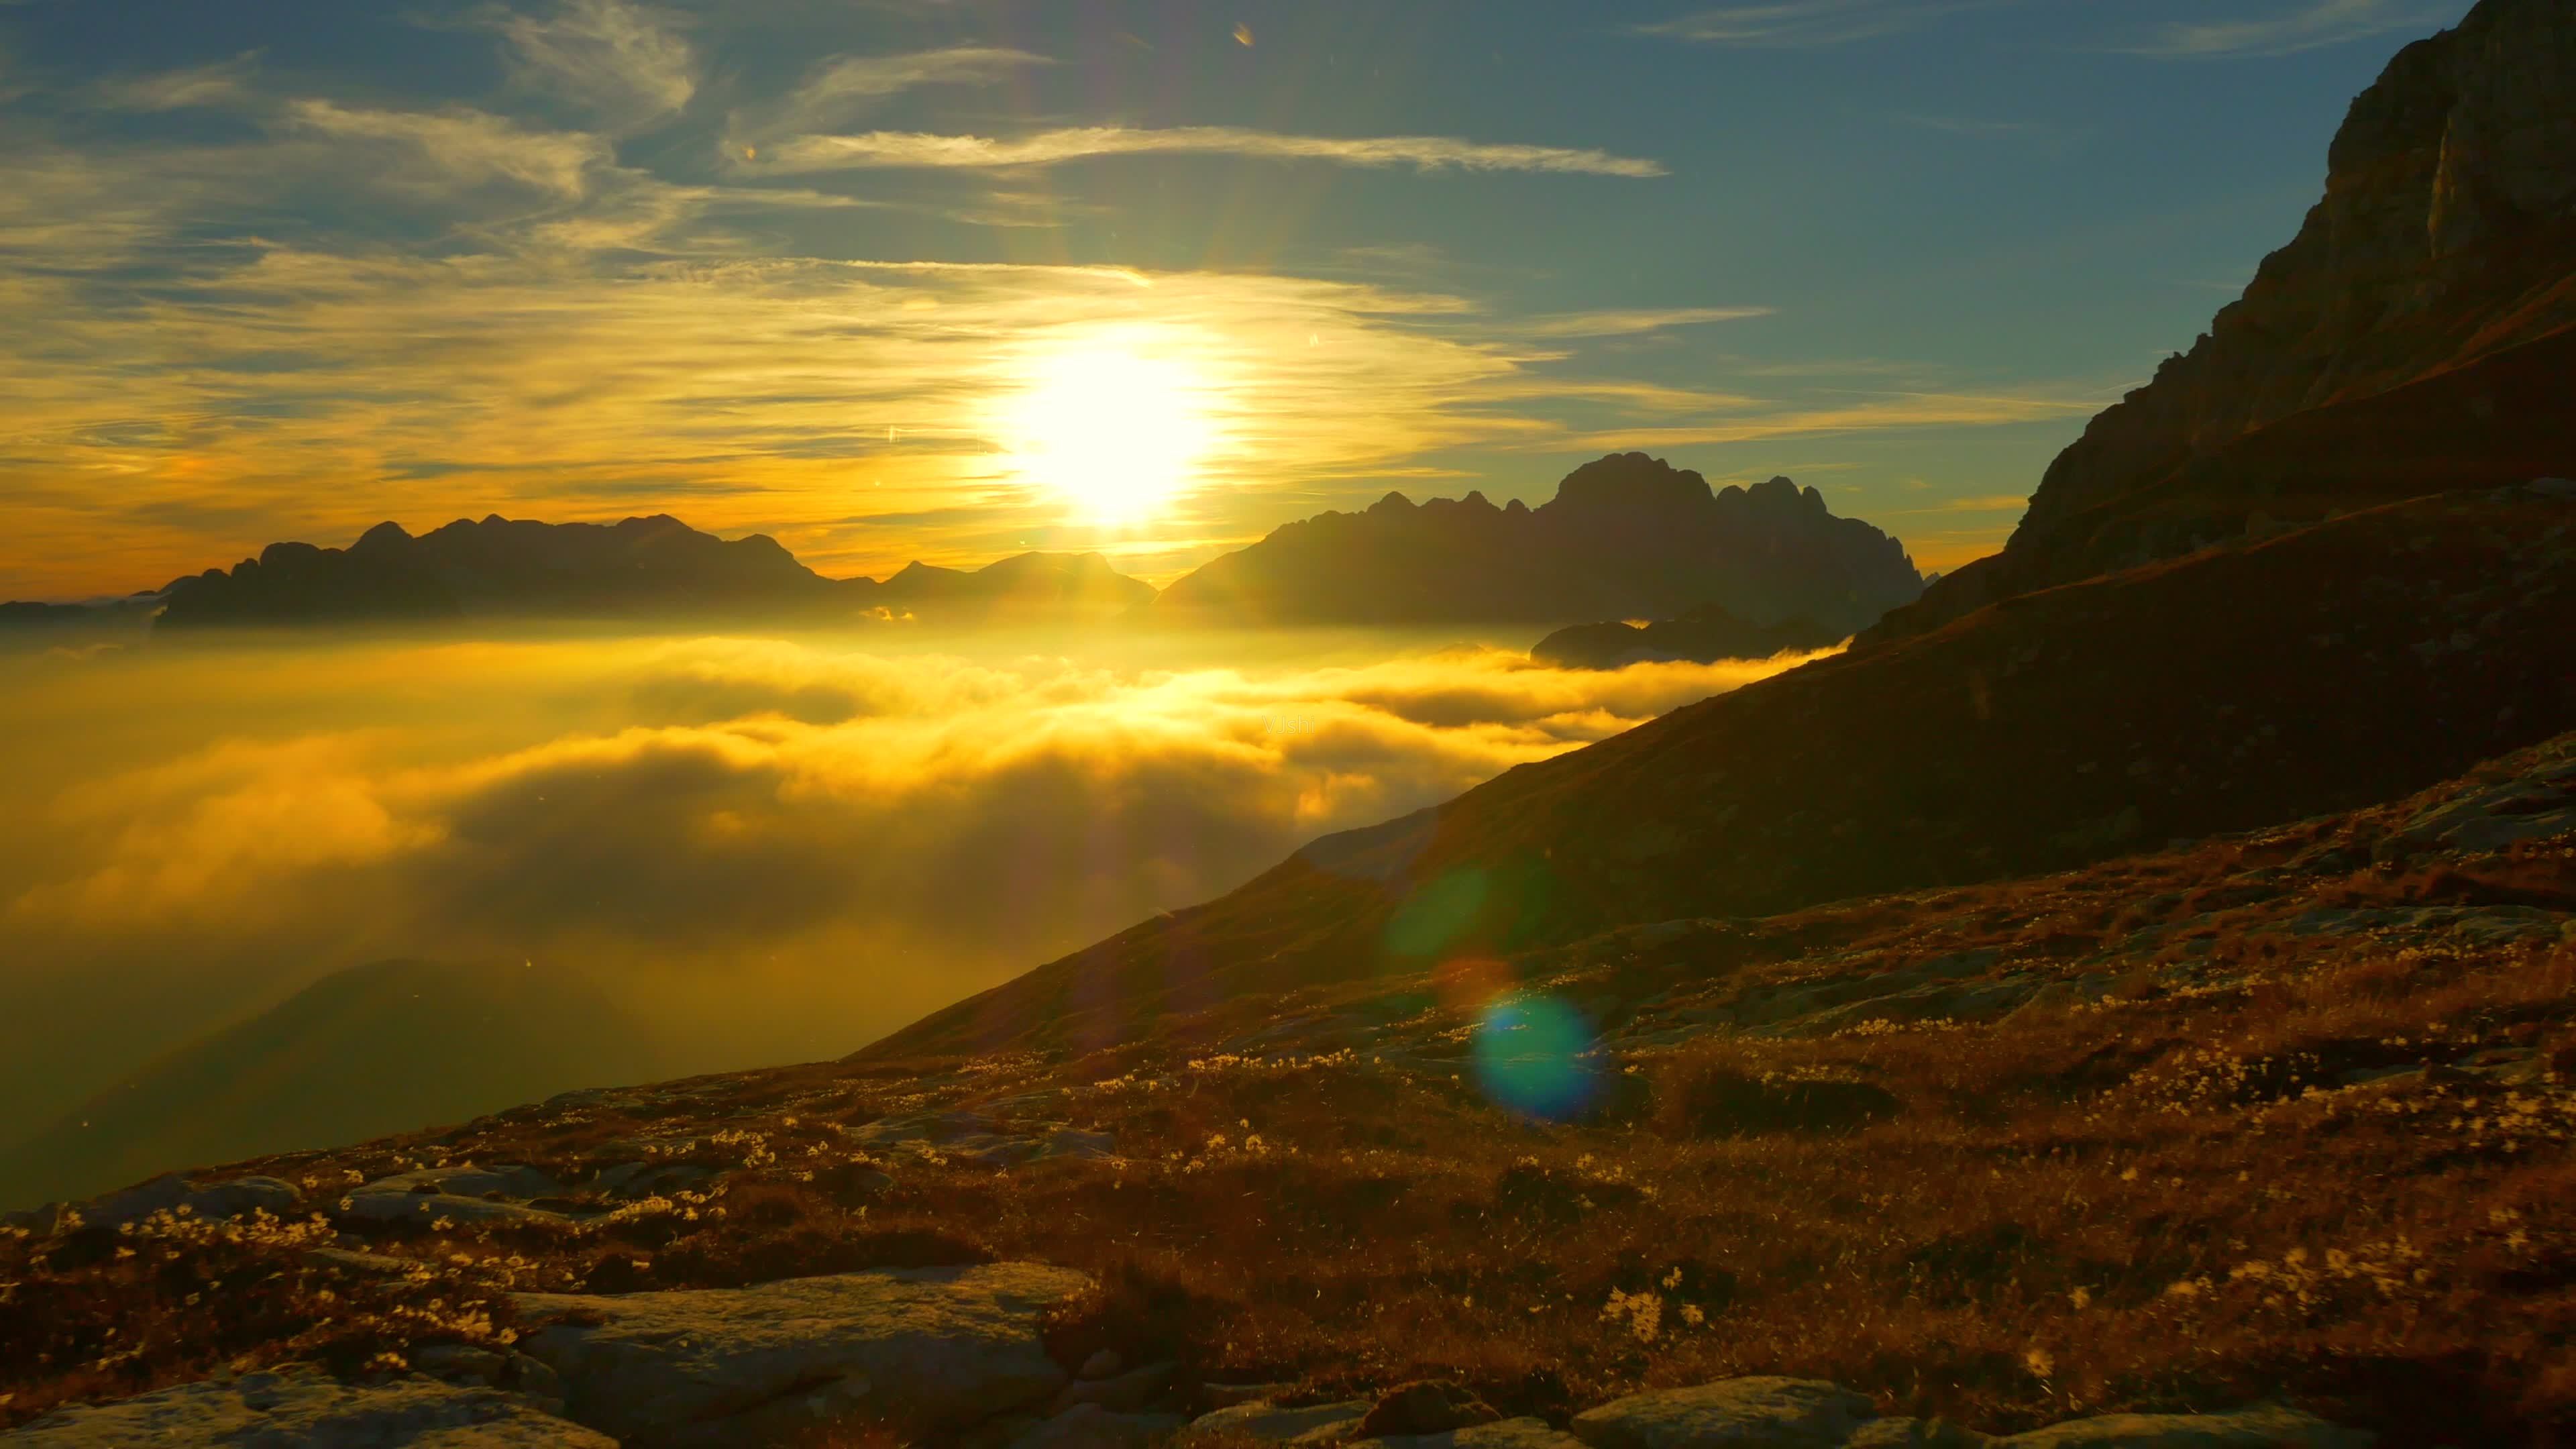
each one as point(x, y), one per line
point(1798, 24)
point(1894, 411)
point(622, 60)
point(220, 84)
point(1628, 323)
point(909, 149)
point(465, 145)
point(2310, 26)
point(845, 86)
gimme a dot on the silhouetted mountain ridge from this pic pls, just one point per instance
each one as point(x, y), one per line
point(1626, 536)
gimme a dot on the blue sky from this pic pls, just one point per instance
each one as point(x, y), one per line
point(910, 278)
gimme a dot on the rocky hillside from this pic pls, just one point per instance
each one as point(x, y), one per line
point(2129, 1157)
point(1626, 536)
point(2312, 669)
point(2414, 336)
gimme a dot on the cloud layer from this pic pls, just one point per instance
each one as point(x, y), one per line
point(792, 845)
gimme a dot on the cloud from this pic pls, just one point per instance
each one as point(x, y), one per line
point(223, 83)
point(2310, 26)
point(1896, 411)
point(798, 845)
point(621, 60)
point(1802, 24)
point(847, 85)
point(466, 146)
point(1631, 322)
point(907, 149)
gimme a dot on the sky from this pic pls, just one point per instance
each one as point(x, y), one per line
point(950, 279)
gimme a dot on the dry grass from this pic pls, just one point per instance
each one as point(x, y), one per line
point(2162, 1199)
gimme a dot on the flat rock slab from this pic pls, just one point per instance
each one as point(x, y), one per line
point(1501, 1434)
point(402, 1205)
point(2265, 1426)
point(932, 1349)
point(304, 1408)
point(1271, 1424)
point(1746, 1413)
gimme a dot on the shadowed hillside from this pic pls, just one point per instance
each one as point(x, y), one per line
point(2318, 669)
point(373, 1049)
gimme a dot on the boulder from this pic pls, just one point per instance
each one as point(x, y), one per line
point(929, 1349)
point(1425, 1406)
point(371, 1204)
point(173, 1193)
point(1271, 1424)
point(1754, 1413)
point(1906, 1433)
point(1119, 1393)
point(1500, 1434)
point(303, 1408)
point(2264, 1426)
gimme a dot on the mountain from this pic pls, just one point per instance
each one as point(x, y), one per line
point(2319, 668)
point(2419, 333)
point(1626, 536)
point(1028, 586)
point(657, 566)
point(1705, 634)
point(379, 1048)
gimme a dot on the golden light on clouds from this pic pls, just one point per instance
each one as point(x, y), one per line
point(1115, 426)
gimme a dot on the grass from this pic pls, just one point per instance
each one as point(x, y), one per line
point(2162, 1198)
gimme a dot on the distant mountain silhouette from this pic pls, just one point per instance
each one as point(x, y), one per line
point(380, 1048)
point(1627, 536)
point(1704, 635)
point(501, 567)
point(1027, 586)
point(2418, 335)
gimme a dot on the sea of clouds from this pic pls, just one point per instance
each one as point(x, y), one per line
point(774, 849)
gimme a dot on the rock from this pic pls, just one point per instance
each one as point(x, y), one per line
point(2265, 1426)
point(1905, 1433)
point(303, 1408)
point(1123, 1394)
point(1271, 1424)
point(173, 1193)
point(511, 1181)
point(650, 1179)
point(1101, 1365)
point(1089, 1426)
point(1756, 1413)
point(1501, 1434)
point(928, 1349)
point(2554, 487)
point(458, 1361)
point(1226, 1396)
point(1425, 1406)
point(371, 1204)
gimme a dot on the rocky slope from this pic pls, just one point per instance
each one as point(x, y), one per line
point(1626, 536)
point(2121, 1157)
point(2426, 304)
point(2314, 669)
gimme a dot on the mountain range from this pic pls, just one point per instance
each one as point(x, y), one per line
point(1625, 536)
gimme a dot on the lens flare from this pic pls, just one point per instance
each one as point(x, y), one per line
point(1529, 1052)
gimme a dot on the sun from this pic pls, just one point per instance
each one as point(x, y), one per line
point(1115, 429)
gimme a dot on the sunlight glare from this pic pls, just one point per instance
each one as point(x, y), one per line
point(1114, 428)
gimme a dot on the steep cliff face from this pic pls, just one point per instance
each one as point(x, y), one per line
point(2445, 245)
